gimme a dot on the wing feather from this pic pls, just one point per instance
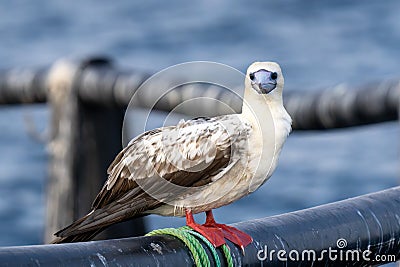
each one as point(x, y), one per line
point(174, 153)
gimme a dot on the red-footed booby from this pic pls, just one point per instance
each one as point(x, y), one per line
point(195, 166)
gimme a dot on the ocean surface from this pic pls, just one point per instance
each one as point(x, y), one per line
point(318, 44)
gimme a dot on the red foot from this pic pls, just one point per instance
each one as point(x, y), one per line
point(215, 232)
point(231, 233)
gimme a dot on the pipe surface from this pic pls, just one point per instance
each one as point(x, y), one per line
point(368, 223)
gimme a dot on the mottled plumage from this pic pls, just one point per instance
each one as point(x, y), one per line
point(197, 165)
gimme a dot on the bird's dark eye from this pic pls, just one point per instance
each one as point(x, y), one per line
point(274, 75)
point(251, 76)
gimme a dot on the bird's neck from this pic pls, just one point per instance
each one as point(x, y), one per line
point(266, 113)
point(257, 106)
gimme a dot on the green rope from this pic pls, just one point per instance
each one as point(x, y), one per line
point(199, 255)
point(205, 240)
point(188, 236)
point(227, 254)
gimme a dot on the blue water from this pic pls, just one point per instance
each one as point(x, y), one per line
point(318, 44)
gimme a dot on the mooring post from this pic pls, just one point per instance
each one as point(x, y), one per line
point(84, 140)
point(101, 140)
point(62, 147)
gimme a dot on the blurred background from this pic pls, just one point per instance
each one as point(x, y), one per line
point(318, 44)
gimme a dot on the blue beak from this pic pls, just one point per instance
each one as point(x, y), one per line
point(264, 80)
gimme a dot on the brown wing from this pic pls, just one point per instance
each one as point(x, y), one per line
point(147, 155)
point(190, 154)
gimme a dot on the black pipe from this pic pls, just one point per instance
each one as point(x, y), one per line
point(107, 86)
point(19, 86)
point(368, 226)
point(336, 107)
point(342, 106)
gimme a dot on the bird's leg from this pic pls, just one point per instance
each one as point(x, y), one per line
point(231, 233)
point(212, 233)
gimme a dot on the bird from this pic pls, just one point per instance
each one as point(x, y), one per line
point(195, 166)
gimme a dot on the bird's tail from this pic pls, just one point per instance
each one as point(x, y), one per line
point(83, 237)
point(76, 231)
point(87, 227)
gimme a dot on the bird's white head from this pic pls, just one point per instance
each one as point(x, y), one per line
point(265, 78)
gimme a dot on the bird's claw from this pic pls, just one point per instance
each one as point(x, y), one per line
point(216, 232)
point(234, 235)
